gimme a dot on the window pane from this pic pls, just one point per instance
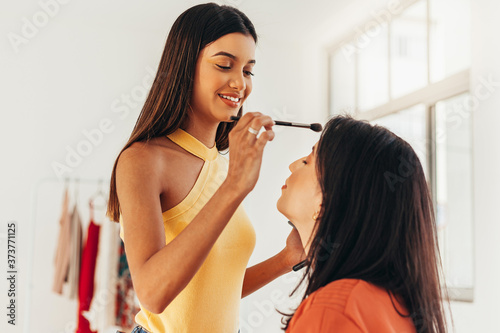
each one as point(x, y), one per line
point(454, 189)
point(410, 125)
point(342, 83)
point(373, 80)
point(409, 50)
point(449, 37)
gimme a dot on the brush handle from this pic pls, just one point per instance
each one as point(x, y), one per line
point(286, 123)
point(299, 265)
point(282, 123)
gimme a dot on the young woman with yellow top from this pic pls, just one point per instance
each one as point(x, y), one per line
point(178, 200)
point(363, 210)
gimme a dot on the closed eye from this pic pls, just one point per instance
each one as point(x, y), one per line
point(227, 67)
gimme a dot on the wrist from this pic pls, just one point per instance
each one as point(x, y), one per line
point(284, 259)
point(232, 192)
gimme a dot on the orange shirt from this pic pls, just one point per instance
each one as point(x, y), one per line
point(350, 305)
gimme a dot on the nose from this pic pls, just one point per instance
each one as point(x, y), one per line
point(237, 82)
point(293, 166)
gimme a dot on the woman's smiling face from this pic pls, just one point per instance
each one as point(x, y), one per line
point(223, 72)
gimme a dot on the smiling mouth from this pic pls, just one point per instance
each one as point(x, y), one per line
point(230, 98)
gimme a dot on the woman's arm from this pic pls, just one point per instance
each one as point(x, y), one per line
point(261, 274)
point(161, 271)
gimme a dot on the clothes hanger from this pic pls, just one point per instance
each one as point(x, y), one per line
point(99, 195)
point(75, 200)
point(98, 201)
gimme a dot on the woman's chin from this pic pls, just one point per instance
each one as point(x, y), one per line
point(280, 208)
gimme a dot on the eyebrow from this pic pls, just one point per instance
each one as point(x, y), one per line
point(229, 55)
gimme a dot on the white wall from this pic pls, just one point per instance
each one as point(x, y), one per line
point(61, 82)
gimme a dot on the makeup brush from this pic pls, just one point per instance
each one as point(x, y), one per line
point(315, 127)
point(302, 263)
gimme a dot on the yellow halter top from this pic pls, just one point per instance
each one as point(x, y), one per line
point(210, 303)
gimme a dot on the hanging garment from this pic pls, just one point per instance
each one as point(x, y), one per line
point(75, 254)
point(62, 254)
point(126, 305)
point(101, 314)
point(87, 273)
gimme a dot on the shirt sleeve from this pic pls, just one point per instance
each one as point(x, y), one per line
point(320, 319)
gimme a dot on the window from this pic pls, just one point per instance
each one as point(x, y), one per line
point(342, 83)
point(449, 38)
point(453, 190)
point(412, 77)
point(372, 77)
point(409, 50)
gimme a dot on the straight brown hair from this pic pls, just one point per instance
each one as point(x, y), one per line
point(166, 106)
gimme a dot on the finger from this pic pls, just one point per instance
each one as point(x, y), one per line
point(250, 128)
point(264, 138)
point(270, 134)
point(245, 120)
point(268, 123)
point(261, 121)
point(255, 125)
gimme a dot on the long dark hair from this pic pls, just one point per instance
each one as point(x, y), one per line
point(377, 221)
point(165, 109)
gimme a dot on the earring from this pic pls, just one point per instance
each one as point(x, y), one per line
point(315, 216)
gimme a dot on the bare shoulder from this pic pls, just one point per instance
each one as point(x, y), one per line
point(158, 160)
point(150, 155)
point(139, 164)
point(139, 157)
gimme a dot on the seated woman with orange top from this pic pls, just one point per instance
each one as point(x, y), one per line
point(362, 208)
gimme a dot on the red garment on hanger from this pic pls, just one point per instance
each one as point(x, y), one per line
point(87, 272)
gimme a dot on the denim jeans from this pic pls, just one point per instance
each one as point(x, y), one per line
point(139, 329)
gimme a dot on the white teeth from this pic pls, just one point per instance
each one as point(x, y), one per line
point(230, 98)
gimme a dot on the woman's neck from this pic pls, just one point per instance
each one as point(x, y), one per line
point(203, 132)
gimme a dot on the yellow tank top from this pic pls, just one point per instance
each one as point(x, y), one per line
point(210, 303)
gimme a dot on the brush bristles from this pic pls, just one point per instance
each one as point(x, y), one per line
point(316, 127)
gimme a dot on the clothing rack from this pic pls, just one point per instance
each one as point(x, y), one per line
point(32, 227)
